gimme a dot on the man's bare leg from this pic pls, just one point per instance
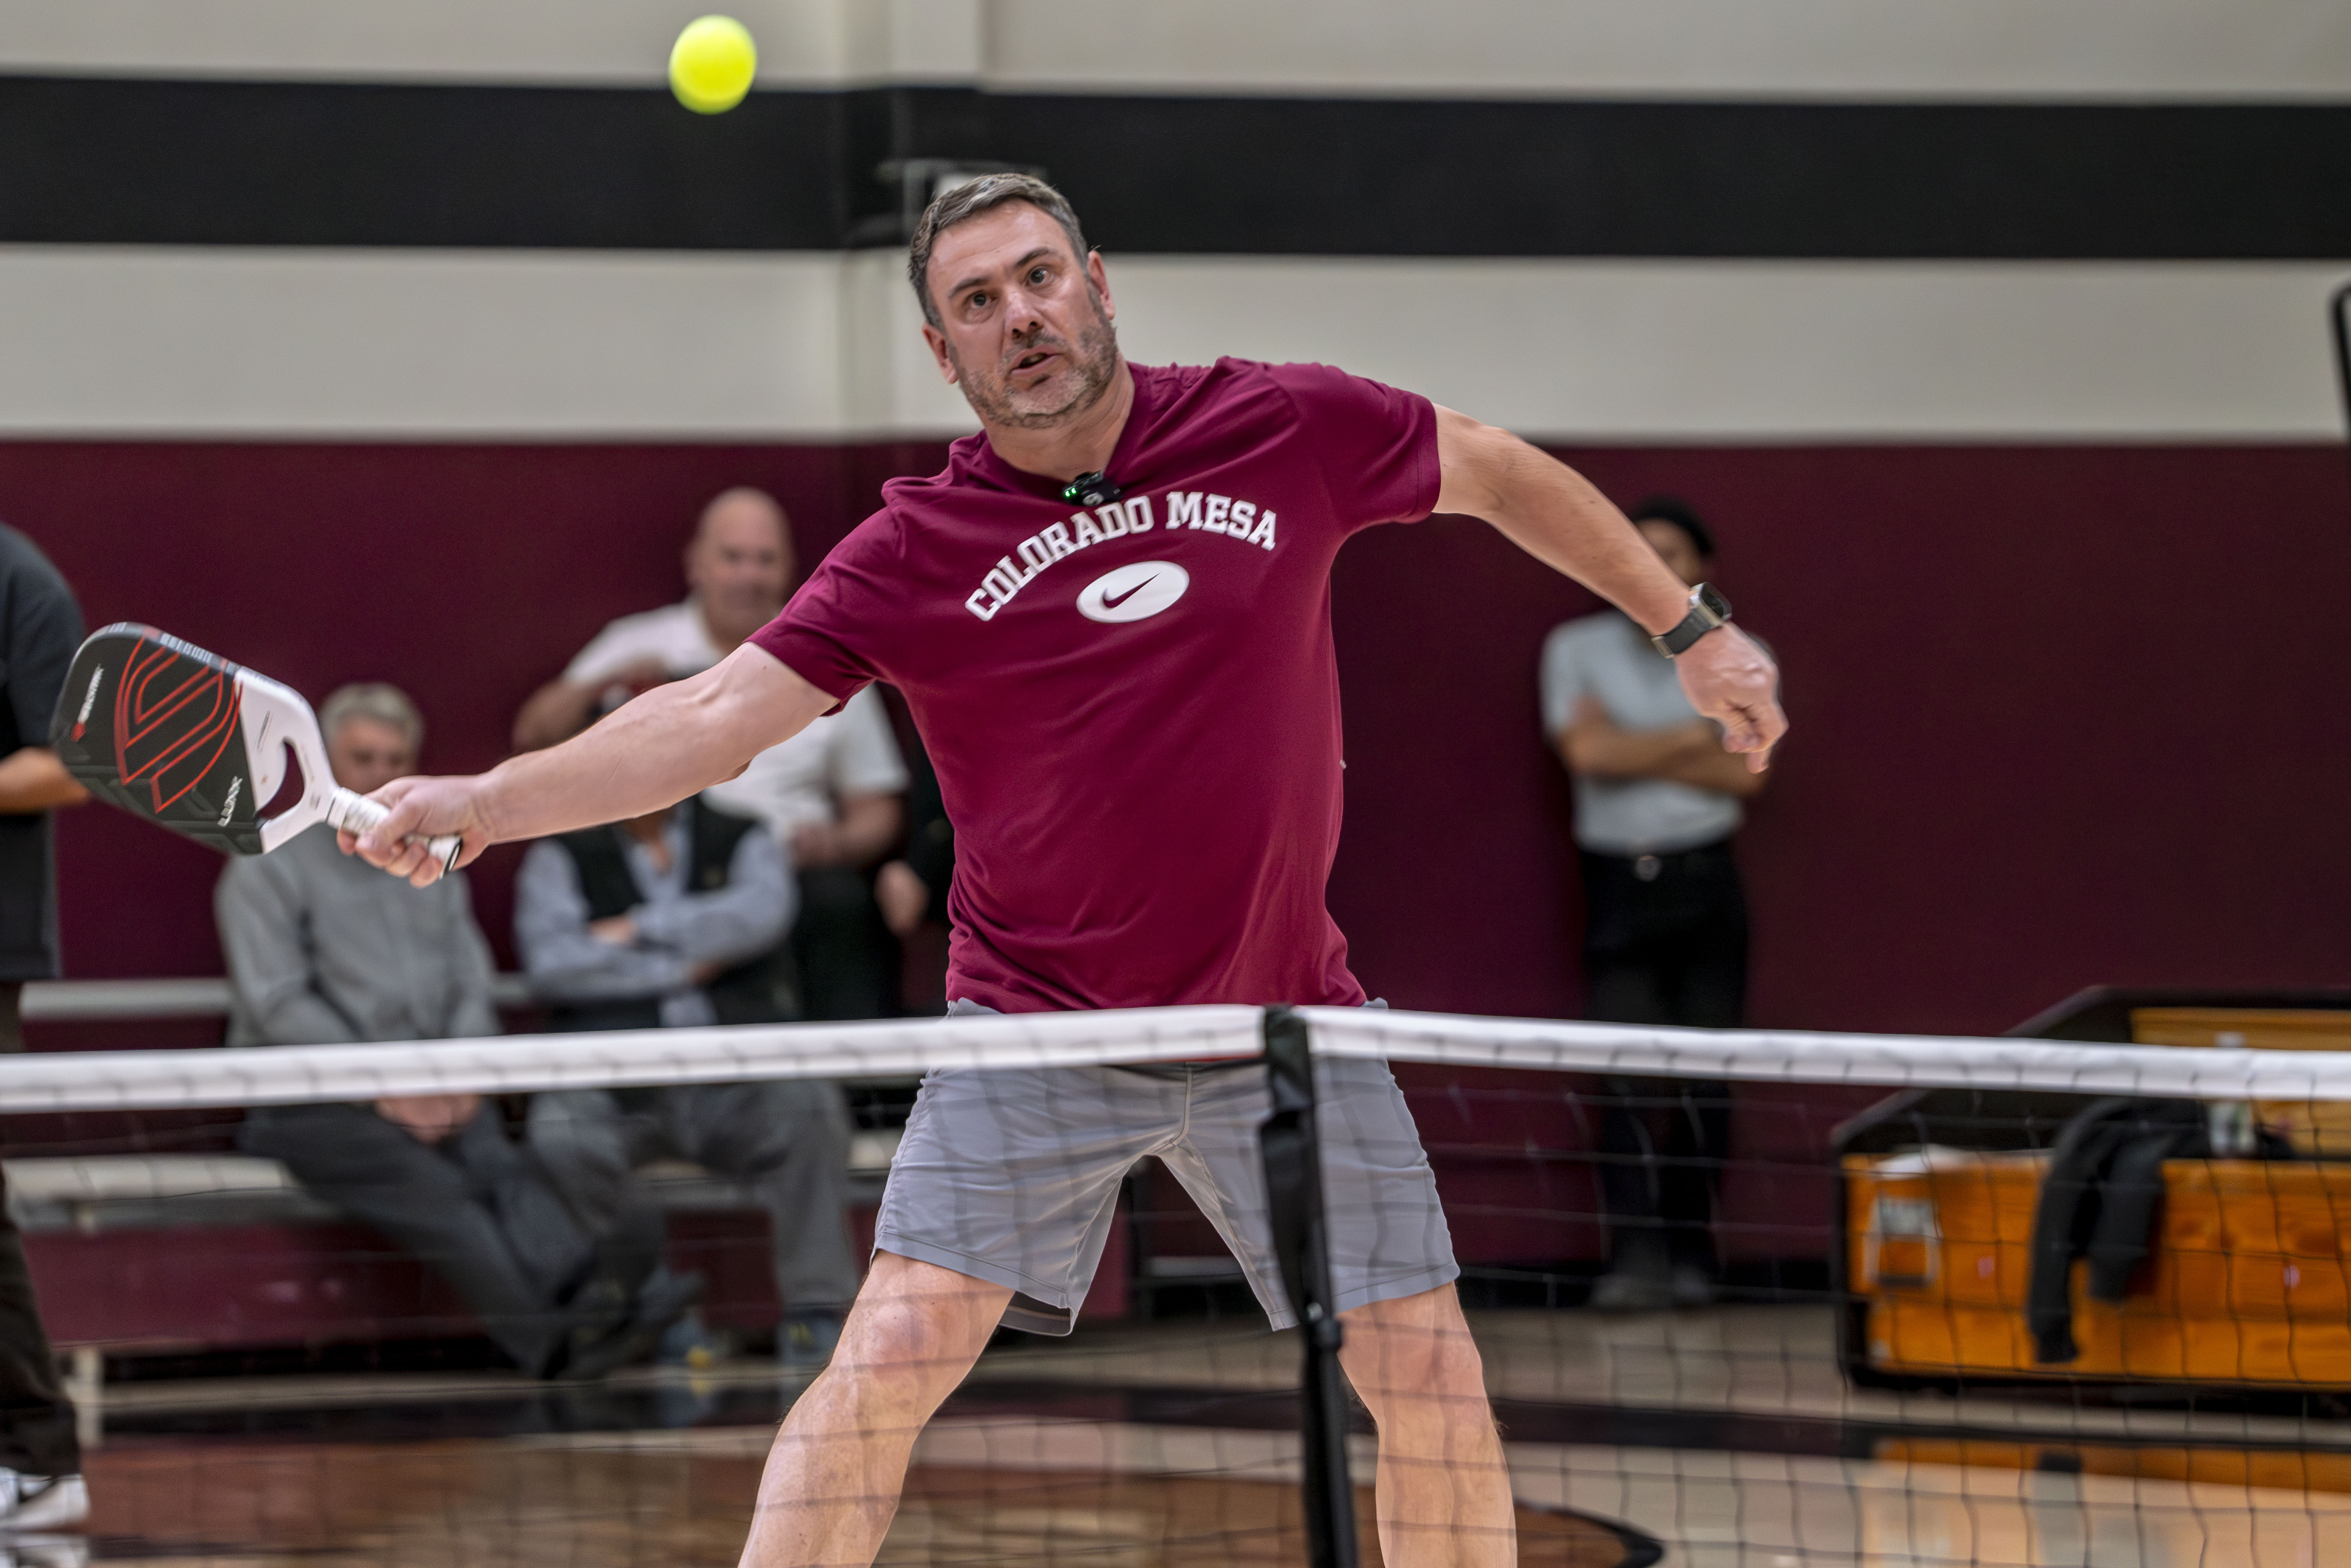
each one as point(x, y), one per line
point(834, 1475)
point(1444, 1489)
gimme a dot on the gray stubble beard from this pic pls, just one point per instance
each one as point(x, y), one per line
point(1093, 365)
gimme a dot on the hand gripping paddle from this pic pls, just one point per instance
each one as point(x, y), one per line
point(193, 743)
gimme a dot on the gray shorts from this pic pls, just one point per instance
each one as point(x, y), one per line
point(1010, 1175)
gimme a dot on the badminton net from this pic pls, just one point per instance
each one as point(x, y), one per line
point(1742, 1297)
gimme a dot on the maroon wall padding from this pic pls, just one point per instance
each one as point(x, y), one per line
point(2066, 715)
point(466, 574)
point(205, 1287)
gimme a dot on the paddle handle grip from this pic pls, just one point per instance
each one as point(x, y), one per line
point(353, 814)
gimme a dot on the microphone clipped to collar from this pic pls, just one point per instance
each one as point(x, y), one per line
point(1095, 489)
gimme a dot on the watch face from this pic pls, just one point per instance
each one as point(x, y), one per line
point(1714, 603)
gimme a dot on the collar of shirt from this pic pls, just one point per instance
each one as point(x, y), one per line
point(657, 885)
point(1141, 416)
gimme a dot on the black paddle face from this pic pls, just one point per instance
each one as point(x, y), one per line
point(153, 725)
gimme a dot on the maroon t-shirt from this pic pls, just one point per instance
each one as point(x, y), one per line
point(1134, 709)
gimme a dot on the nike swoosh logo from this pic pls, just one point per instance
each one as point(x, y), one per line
point(1112, 601)
point(1135, 591)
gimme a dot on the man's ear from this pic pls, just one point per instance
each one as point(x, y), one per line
point(1100, 279)
point(938, 342)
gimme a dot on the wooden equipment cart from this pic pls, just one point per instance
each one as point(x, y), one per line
point(2249, 1283)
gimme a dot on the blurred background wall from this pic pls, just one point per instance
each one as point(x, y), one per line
point(370, 341)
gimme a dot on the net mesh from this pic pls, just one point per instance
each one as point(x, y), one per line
point(1740, 1297)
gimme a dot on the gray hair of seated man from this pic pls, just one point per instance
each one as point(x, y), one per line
point(375, 700)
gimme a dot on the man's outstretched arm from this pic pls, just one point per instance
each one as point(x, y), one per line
point(1555, 515)
point(662, 747)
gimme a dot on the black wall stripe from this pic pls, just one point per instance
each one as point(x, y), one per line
point(308, 163)
point(284, 163)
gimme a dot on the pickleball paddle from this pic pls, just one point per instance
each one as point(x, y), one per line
point(209, 749)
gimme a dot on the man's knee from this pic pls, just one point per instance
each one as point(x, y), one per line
point(917, 1326)
point(1414, 1347)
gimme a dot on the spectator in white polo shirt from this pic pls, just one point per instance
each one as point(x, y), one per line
point(1657, 802)
point(831, 794)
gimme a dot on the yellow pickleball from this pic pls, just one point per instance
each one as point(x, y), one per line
point(711, 64)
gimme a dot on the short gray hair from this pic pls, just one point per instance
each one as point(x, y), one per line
point(960, 203)
point(375, 700)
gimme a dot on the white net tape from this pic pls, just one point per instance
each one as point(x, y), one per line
point(1788, 1056)
point(296, 1074)
point(1867, 1385)
point(279, 1075)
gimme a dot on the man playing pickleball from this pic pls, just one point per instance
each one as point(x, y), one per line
point(1110, 616)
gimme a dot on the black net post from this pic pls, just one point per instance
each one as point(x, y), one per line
point(2339, 313)
point(1293, 1181)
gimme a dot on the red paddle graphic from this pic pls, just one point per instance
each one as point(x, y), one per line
point(173, 718)
point(196, 744)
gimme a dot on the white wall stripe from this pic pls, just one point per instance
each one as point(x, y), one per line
point(1835, 48)
point(485, 344)
point(584, 346)
point(802, 43)
point(1783, 350)
point(1682, 48)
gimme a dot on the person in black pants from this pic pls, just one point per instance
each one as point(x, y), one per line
point(1657, 800)
point(912, 889)
point(40, 626)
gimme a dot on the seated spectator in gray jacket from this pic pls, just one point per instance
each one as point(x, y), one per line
point(323, 948)
point(676, 920)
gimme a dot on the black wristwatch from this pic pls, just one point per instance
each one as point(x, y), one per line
point(1708, 610)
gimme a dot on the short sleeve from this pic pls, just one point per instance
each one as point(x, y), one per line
point(1377, 444)
point(827, 635)
point(865, 760)
point(1564, 678)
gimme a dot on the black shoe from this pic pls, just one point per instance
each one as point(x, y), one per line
point(596, 1349)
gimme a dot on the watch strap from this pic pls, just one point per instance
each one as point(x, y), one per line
point(1709, 610)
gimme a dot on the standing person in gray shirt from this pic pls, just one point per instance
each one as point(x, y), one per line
point(322, 951)
point(1657, 802)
